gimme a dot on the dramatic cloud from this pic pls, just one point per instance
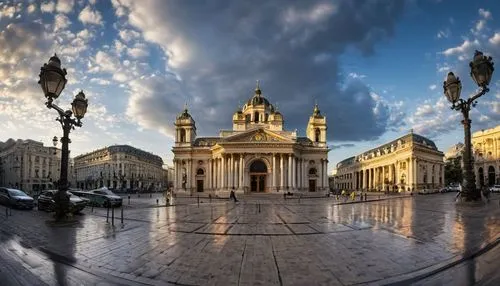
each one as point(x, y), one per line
point(65, 6)
point(61, 22)
point(47, 7)
point(464, 51)
point(291, 46)
point(90, 16)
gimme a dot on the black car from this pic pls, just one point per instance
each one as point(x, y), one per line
point(16, 198)
point(46, 202)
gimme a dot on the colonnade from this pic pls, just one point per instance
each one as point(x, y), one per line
point(227, 171)
point(407, 174)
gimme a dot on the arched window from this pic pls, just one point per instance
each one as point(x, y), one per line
point(267, 117)
point(200, 172)
point(183, 135)
point(256, 117)
point(258, 167)
point(313, 171)
point(248, 118)
point(316, 135)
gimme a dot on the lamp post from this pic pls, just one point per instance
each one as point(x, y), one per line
point(52, 81)
point(481, 72)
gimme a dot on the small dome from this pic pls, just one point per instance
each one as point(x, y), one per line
point(184, 115)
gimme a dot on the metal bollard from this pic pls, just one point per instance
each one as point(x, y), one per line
point(300, 197)
point(156, 202)
point(129, 200)
point(6, 212)
point(107, 215)
point(150, 195)
point(198, 201)
point(113, 216)
point(92, 210)
point(259, 207)
point(122, 214)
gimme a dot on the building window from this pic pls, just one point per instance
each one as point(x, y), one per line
point(313, 171)
point(200, 172)
point(183, 135)
point(316, 135)
point(256, 117)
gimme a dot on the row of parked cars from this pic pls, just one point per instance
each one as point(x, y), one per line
point(78, 199)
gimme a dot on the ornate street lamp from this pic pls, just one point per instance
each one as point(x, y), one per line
point(52, 81)
point(481, 72)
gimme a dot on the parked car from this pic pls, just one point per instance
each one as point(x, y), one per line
point(46, 202)
point(16, 198)
point(444, 190)
point(495, 189)
point(100, 197)
point(453, 187)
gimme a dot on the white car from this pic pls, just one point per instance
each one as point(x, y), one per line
point(495, 189)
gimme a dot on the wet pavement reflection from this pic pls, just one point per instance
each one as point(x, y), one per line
point(259, 241)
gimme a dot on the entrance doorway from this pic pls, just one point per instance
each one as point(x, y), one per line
point(312, 185)
point(199, 186)
point(258, 175)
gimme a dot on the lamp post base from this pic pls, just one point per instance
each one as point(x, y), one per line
point(464, 199)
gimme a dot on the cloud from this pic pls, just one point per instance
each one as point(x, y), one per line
point(65, 6)
point(47, 7)
point(100, 81)
point(346, 145)
point(485, 13)
point(90, 16)
point(292, 46)
point(355, 75)
point(464, 51)
point(128, 35)
point(7, 11)
point(443, 33)
point(31, 8)
point(138, 51)
point(495, 40)
point(432, 87)
point(61, 22)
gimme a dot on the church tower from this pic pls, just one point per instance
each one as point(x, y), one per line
point(185, 129)
point(316, 128)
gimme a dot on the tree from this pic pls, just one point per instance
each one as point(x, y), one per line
point(453, 171)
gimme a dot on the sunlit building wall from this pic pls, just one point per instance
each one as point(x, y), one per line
point(486, 146)
point(409, 163)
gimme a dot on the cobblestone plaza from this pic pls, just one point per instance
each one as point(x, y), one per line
point(257, 241)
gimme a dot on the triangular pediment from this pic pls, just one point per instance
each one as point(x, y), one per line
point(258, 135)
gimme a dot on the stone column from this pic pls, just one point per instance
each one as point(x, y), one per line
point(188, 175)
point(326, 175)
point(282, 173)
point(293, 173)
point(224, 172)
point(236, 176)
point(289, 177)
point(219, 173)
point(321, 174)
point(208, 174)
point(241, 172)
point(274, 173)
point(231, 171)
point(299, 176)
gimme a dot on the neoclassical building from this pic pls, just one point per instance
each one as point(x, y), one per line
point(119, 167)
point(29, 166)
point(411, 162)
point(257, 155)
point(486, 146)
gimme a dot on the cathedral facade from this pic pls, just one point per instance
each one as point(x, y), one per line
point(256, 156)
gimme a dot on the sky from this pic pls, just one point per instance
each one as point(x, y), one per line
point(375, 68)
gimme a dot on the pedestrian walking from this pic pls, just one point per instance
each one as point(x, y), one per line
point(232, 196)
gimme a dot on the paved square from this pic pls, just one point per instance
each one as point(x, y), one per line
point(253, 242)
